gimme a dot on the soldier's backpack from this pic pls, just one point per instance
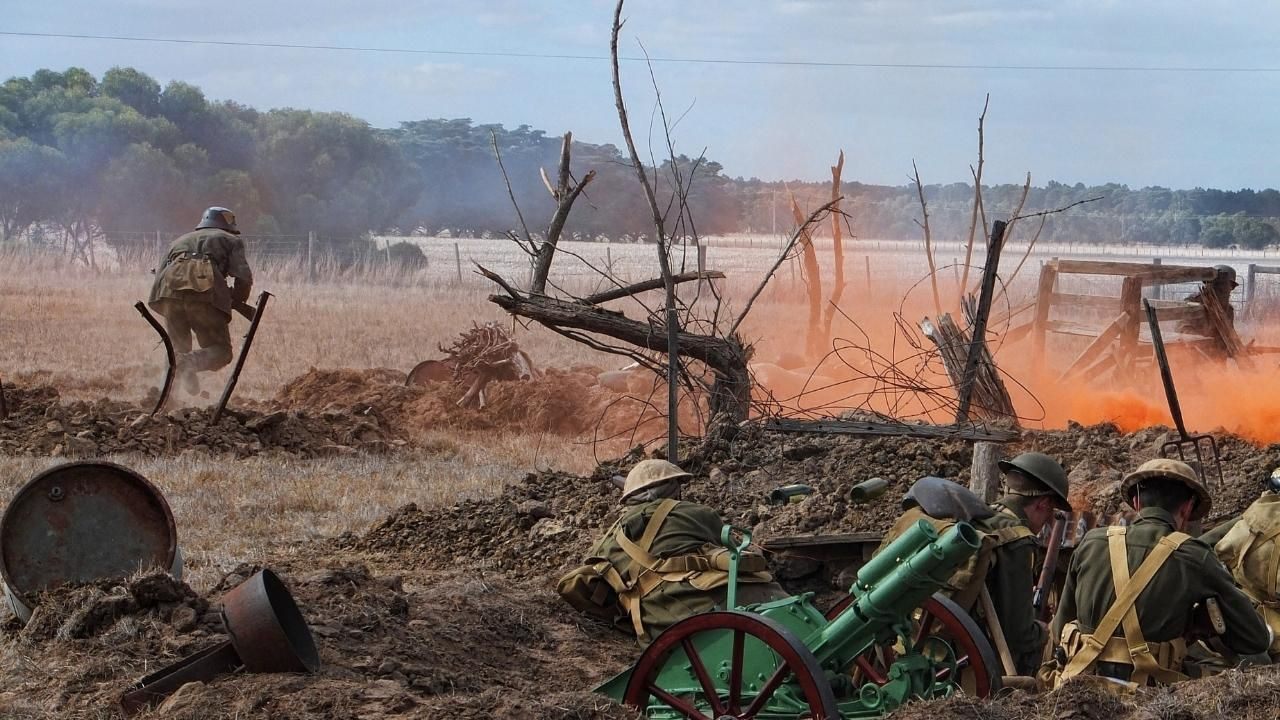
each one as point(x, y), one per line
point(942, 503)
point(1251, 551)
point(192, 271)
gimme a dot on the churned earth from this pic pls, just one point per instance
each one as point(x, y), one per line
point(448, 610)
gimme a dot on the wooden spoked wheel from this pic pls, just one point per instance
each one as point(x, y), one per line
point(939, 620)
point(729, 665)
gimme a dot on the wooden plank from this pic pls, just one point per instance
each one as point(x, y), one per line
point(1067, 327)
point(1101, 302)
point(1004, 318)
point(1096, 348)
point(1130, 304)
point(832, 426)
point(1267, 269)
point(1044, 302)
point(1108, 362)
point(1169, 274)
point(1018, 333)
point(1181, 312)
point(788, 542)
point(1150, 273)
point(1217, 314)
point(1158, 304)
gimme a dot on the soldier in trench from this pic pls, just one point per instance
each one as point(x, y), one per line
point(190, 291)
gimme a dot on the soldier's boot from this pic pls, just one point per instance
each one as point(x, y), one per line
point(186, 372)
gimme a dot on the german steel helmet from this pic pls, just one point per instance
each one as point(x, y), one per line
point(1042, 468)
point(648, 473)
point(1169, 469)
point(943, 499)
point(1226, 273)
point(220, 218)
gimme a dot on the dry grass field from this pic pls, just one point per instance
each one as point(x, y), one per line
point(456, 590)
point(75, 329)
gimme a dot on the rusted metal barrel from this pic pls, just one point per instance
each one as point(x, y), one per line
point(80, 522)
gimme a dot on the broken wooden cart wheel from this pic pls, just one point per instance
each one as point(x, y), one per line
point(429, 371)
point(770, 672)
point(938, 622)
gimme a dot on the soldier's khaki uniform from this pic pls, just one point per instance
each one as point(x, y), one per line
point(1149, 627)
point(667, 563)
point(1006, 566)
point(193, 301)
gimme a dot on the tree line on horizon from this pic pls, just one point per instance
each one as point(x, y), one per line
point(82, 156)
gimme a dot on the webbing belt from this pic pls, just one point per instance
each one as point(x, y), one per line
point(1124, 612)
point(646, 579)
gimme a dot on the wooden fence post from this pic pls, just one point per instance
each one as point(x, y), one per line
point(457, 260)
point(311, 256)
point(1251, 277)
point(867, 258)
point(1157, 291)
point(984, 472)
point(1044, 302)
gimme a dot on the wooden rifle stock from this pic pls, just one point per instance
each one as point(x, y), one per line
point(1045, 583)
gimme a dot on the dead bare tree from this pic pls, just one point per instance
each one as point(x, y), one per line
point(837, 251)
point(928, 241)
point(814, 339)
point(977, 203)
point(719, 376)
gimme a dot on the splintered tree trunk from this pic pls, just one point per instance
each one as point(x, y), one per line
point(813, 279)
point(837, 251)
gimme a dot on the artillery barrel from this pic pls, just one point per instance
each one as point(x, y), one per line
point(885, 561)
point(892, 599)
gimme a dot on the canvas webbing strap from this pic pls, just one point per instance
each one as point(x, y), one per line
point(1127, 591)
point(639, 552)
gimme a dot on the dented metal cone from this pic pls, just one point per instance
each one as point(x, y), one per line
point(268, 634)
point(81, 522)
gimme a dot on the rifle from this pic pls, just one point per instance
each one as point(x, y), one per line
point(1050, 568)
point(244, 309)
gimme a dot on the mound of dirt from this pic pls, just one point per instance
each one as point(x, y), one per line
point(561, 402)
point(545, 524)
point(39, 424)
point(1253, 694)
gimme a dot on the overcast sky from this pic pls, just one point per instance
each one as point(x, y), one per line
point(774, 121)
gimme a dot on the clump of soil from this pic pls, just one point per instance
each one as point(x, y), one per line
point(1252, 694)
point(85, 611)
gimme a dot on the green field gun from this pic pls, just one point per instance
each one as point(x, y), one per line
point(890, 641)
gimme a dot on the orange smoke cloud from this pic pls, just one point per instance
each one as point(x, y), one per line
point(1214, 395)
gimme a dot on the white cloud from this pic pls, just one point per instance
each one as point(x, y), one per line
point(446, 78)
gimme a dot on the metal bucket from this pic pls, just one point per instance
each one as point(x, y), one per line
point(268, 634)
point(81, 522)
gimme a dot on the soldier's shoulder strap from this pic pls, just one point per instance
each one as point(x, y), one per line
point(639, 551)
point(1128, 588)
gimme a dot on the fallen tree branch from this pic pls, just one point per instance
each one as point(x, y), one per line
point(654, 284)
